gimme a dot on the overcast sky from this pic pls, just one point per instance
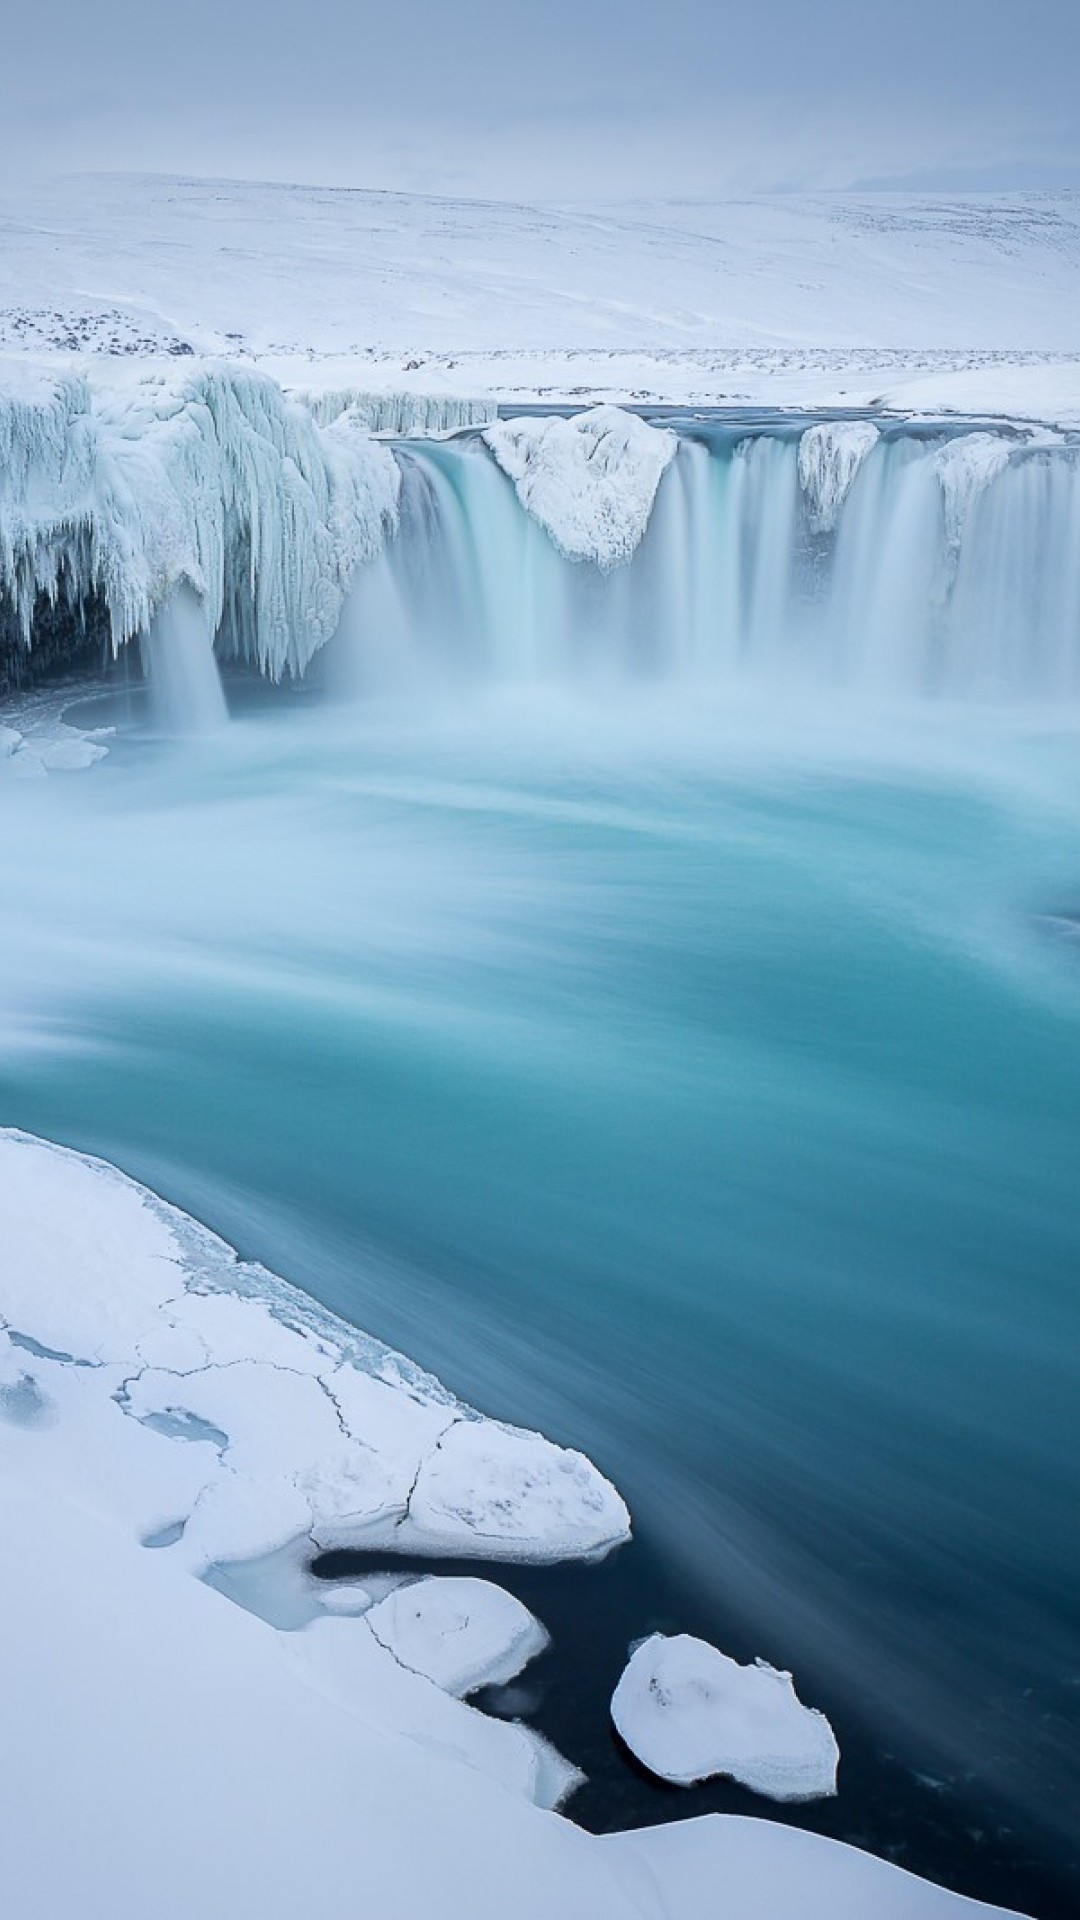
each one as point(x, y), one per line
point(560, 97)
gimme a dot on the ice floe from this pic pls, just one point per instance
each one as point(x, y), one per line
point(590, 481)
point(461, 1633)
point(688, 1711)
point(177, 1754)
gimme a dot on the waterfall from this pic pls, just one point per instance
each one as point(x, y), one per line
point(888, 558)
point(185, 686)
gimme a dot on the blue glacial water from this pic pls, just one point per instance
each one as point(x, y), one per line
point(699, 1083)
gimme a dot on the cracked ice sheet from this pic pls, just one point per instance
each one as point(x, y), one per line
point(461, 1633)
point(210, 1412)
point(328, 1434)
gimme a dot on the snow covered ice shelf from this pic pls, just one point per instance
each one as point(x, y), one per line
point(164, 1406)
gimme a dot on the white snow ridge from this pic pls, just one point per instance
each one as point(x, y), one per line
point(688, 1711)
point(590, 481)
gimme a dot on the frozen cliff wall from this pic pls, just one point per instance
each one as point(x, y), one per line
point(117, 492)
point(410, 415)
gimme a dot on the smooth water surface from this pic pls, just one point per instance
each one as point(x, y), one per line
point(684, 1079)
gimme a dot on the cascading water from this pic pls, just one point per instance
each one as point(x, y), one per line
point(185, 685)
point(949, 565)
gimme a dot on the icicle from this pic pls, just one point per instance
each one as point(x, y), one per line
point(210, 477)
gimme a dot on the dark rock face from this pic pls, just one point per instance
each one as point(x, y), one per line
point(65, 637)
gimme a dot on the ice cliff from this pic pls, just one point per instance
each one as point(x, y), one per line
point(122, 490)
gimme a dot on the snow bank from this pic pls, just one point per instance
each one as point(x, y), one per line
point(169, 1757)
point(208, 475)
point(590, 481)
point(770, 1872)
point(687, 1711)
point(830, 455)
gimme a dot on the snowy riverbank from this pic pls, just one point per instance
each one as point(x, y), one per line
point(167, 1412)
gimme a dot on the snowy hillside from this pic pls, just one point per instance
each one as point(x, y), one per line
point(802, 296)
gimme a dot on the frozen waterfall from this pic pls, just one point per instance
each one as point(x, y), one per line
point(891, 558)
point(888, 556)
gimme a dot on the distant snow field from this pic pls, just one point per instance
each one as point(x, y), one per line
point(934, 301)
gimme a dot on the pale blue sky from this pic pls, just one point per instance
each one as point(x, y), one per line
point(566, 97)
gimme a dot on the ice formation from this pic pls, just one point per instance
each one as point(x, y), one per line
point(966, 465)
point(830, 455)
point(590, 481)
point(405, 414)
point(688, 1711)
point(205, 475)
point(306, 1432)
point(461, 1633)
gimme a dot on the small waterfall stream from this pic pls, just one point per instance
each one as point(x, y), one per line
point(185, 685)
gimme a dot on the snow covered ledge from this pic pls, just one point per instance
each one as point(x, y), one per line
point(177, 1754)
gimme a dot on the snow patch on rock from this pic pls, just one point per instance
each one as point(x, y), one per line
point(688, 1712)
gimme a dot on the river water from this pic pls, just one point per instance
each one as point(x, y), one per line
point(694, 1076)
